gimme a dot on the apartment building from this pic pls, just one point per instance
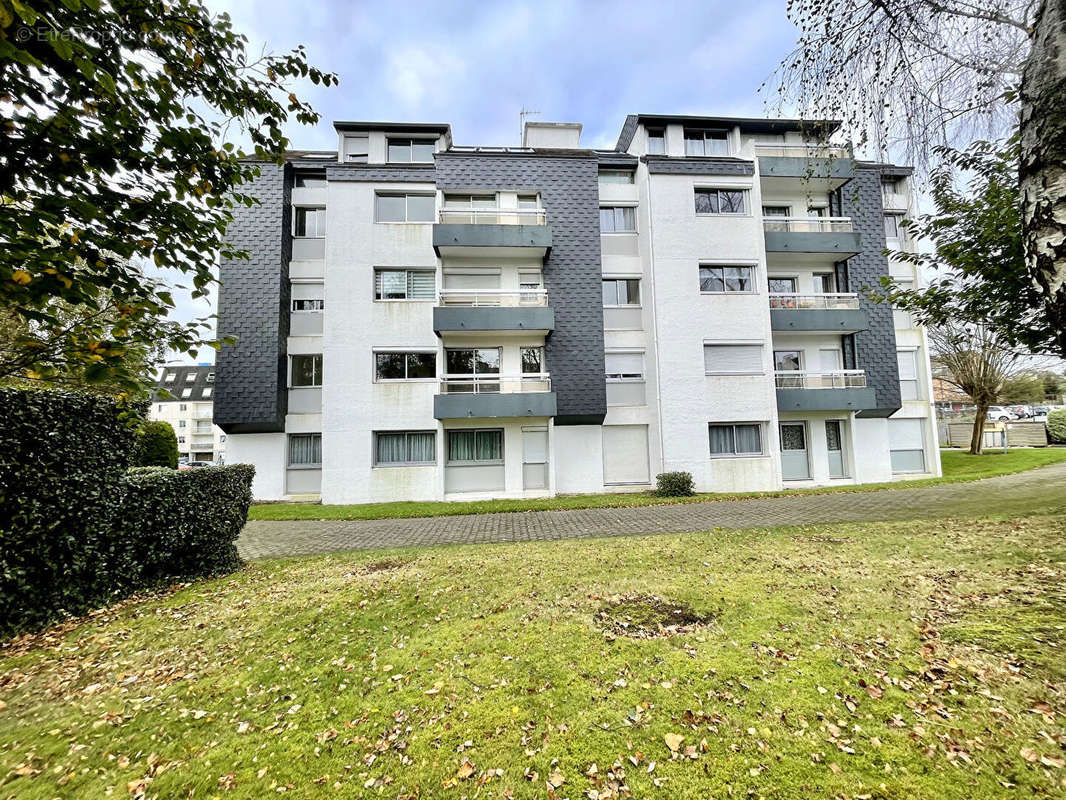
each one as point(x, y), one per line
point(420, 320)
point(184, 397)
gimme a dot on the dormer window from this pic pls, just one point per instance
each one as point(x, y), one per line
point(357, 148)
point(170, 377)
point(210, 377)
point(706, 143)
point(411, 151)
point(190, 377)
point(656, 141)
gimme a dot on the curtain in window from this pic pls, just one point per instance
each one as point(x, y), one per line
point(461, 445)
point(391, 448)
point(305, 449)
point(421, 447)
point(722, 439)
point(748, 438)
point(489, 445)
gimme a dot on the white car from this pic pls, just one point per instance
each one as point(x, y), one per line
point(1000, 414)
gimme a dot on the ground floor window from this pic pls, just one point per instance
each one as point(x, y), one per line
point(906, 443)
point(737, 439)
point(405, 447)
point(305, 449)
point(475, 446)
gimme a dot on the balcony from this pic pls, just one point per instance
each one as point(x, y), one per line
point(827, 167)
point(493, 310)
point(830, 313)
point(811, 235)
point(494, 396)
point(836, 390)
point(491, 231)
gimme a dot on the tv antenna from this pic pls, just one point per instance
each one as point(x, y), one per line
point(525, 112)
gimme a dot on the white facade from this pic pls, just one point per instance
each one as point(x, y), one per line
point(690, 369)
point(188, 407)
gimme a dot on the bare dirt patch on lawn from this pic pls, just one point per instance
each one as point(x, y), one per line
point(647, 616)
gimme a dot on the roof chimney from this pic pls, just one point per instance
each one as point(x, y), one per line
point(552, 135)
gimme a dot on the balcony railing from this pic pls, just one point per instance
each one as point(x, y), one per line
point(807, 224)
point(802, 150)
point(496, 384)
point(835, 379)
point(493, 216)
point(828, 301)
point(476, 298)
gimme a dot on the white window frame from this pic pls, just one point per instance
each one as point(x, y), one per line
point(616, 278)
point(186, 393)
point(392, 464)
point(751, 267)
point(405, 351)
point(356, 158)
point(316, 373)
point(925, 456)
point(737, 343)
point(916, 380)
point(407, 285)
point(431, 140)
point(703, 139)
point(614, 206)
point(309, 207)
point(406, 196)
point(170, 377)
point(761, 425)
point(205, 393)
point(210, 377)
point(745, 192)
point(648, 137)
point(625, 377)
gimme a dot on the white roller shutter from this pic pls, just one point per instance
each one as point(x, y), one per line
point(625, 454)
point(470, 281)
point(307, 291)
point(733, 359)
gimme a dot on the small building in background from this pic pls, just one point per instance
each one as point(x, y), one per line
point(183, 397)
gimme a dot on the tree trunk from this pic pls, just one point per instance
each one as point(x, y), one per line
point(977, 438)
point(1043, 162)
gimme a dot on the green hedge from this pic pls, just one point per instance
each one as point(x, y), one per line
point(157, 445)
point(77, 531)
point(1056, 426)
point(674, 484)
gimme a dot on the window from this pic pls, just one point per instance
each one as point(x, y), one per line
point(181, 423)
point(207, 392)
point(732, 359)
point(476, 362)
point(305, 449)
point(528, 201)
point(356, 148)
point(210, 377)
point(624, 366)
point(706, 143)
point(305, 371)
point(908, 374)
point(397, 207)
point(309, 222)
point(891, 185)
point(788, 360)
point(408, 151)
point(616, 176)
point(398, 366)
point(621, 292)
point(307, 305)
point(817, 211)
point(893, 228)
point(782, 285)
point(190, 377)
point(726, 279)
point(475, 446)
point(825, 282)
point(310, 181)
point(906, 445)
point(181, 440)
point(743, 439)
point(405, 284)
point(618, 219)
point(186, 393)
point(656, 141)
point(405, 447)
point(183, 406)
point(532, 360)
point(721, 201)
point(470, 201)
point(170, 377)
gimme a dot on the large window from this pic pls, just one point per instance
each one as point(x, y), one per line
point(621, 291)
point(405, 284)
point(788, 360)
point(532, 360)
point(736, 439)
point(618, 219)
point(732, 359)
point(408, 151)
point(656, 141)
point(482, 201)
point(398, 207)
point(624, 366)
point(306, 371)
point(706, 143)
point(404, 366)
point(908, 374)
point(726, 279)
point(721, 201)
point(906, 445)
point(479, 446)
point(478, 365)
point(405, 447)
point(305, 449)
point(309, 223)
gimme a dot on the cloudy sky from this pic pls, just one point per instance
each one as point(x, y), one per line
point(477, 65)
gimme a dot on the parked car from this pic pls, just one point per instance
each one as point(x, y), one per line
point(1001, 414)
point(195, 464)
point(1023, 412)
point(1040, 411)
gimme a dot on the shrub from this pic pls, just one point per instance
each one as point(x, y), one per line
point(674, 484)
point(1056, 426)
point(157, 445)
point(77, 530)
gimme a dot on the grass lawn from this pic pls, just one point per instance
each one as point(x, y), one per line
point(958, 466)
point(887, 660)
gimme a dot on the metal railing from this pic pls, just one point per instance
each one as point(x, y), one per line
point(834, 300)
point(477, 298)
point(802, 150)
point(834, 379)
point(496, 384)
point(807, 224)
point(493, 216)
point(203, 415)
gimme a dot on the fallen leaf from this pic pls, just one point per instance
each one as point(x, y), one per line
point(673, 741)
point(556, 779)
point(466, 769)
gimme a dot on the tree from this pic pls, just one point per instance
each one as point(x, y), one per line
point(115, 153)
point(977, 362)
point(909, 76)
point(1054, 385)
point(157, 445)
point(1024, 389)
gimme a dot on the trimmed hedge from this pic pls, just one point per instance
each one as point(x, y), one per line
point(157, 445)
point(674, 484)
point(1056, 426)
point(78, 531)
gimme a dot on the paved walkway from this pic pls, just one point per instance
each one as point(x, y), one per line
point(1043, 488)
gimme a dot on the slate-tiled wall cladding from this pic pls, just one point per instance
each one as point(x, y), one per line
point(572, 275)
point(875, 348)
point(380, 173)
point(665, 165)
point(250, 381)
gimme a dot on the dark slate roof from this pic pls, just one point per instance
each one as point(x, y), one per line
point(414, 127)
point(746, 124)
point(181, 382)
point(699, 165)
